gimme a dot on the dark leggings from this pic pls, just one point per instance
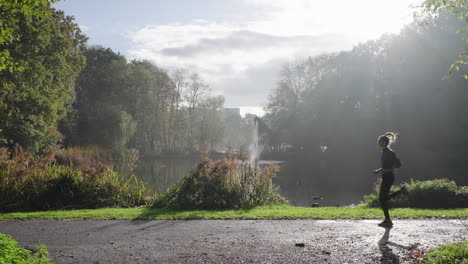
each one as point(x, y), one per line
point(387, 181)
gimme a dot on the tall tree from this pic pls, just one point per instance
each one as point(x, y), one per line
point(103, 116)
point(211, 122)
point(176, 118)
point(48, 49)
point(195, 89)
point(152, 90)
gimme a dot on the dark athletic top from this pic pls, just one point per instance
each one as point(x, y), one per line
point(389, 160)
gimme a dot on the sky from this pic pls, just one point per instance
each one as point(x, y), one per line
point(237, 46)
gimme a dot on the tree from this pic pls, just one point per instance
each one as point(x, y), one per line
point(47, 46)
point(211, 122)
point(152, 89)
point(455, 7)
point(11, 13)
point(176, 118)
point(103, 101)
point(286, 106)
point(195, 89)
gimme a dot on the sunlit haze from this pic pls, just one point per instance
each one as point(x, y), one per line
point(239, 50)
point(272, 113)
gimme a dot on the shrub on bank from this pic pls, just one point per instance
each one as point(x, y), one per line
point(438, 193)
point(28, 183)
point(83, 157)
point(223, 184)
point(10, 253)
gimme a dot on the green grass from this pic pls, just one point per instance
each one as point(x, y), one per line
point(266, 212)
point(10, 253)
point(448, 253)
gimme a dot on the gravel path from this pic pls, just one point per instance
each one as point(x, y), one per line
point(235, 241)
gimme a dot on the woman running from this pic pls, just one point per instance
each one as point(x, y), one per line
point(389, 162)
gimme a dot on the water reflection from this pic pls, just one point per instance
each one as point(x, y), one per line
point(162, 173)
point(304, 186)
point(299, 185)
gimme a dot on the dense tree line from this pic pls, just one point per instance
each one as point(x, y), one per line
point(331, 108)
point(54, 89)
point(121, 105)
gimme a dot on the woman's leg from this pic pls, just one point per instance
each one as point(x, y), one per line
point(393, 194)
point(387, 181)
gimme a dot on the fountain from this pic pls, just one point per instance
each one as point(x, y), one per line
point(255, 149)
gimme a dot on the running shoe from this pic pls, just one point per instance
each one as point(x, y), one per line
point(403, 189)
point(386, 223)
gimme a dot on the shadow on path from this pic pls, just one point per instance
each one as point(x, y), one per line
point(169, 214)
point(388, 256)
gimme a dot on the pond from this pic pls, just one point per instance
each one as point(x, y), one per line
point(301, 186)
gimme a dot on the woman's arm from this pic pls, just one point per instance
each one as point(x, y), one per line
point(382, 170)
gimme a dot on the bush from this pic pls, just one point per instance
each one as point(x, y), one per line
point(438, 193)
point(448, 254)
point(10, 253)
point(28, 183)
point(223, 184)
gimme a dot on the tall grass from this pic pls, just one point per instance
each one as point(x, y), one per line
point(438, 193)
point(65, 179)
point(223, 184)
point(82, 157)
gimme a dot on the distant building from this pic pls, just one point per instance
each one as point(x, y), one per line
point(229, 113)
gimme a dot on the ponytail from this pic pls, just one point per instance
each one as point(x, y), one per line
point(389, 138)
point(392, 137)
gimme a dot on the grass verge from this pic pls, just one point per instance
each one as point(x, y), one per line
point(264, 212)
point(448, 253)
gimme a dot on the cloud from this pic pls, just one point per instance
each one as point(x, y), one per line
point(84, 28)
point(248, 41)
point(366, 18)
point(242, 59)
